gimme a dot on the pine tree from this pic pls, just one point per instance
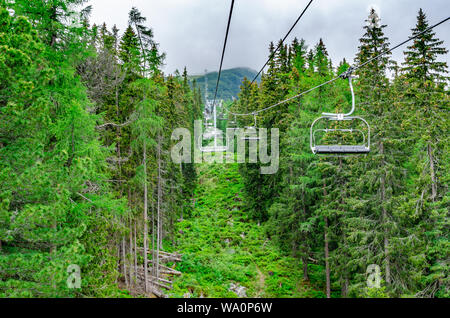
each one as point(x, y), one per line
point(51, 18)
point(380, 181)
point(299, 51)
point(426, 99)
point(151, 58)
point(310, 59)
point(53, 175)
point(129, 52)
point(421, 58)
point(321, 61)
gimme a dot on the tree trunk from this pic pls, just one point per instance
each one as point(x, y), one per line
point(305, 268)
point(327, 263)
point(305, 243)
point(142, 49)
point(432, 173)
point(153, 241)
point(385, 221)
point(344, 289)
point(53, 18)
point(118, 258)
point(158, 235)
point(119, 156)
point(131, 252)
point(145, 219)
point(124, 261)
point(135, 252)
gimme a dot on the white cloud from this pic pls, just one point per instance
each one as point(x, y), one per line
point(191, 32)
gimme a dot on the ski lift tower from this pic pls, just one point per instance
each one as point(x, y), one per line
point(212, 107)
point(211, 111)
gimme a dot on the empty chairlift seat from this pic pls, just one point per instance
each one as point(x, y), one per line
point(352, 138)
point(251, 132)
point(338, 149)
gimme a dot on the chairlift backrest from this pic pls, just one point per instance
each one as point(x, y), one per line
point(339, 149)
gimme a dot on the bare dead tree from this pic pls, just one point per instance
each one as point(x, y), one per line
point(101, 74)
point(145, 217)
point(135, 252)
point(131, 251)
point(124, 261)
point(158, 241)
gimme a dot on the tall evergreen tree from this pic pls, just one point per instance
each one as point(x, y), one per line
point(56, 207)
point(425, 97)
point(129, 51)
point(421, 58)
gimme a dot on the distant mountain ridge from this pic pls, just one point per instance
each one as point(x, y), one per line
point(230, 82)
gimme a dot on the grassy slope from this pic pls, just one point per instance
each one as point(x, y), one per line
point(210, 264)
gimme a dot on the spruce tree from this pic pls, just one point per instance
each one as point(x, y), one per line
point(56, 207)
point(380, 181)
point(129, 52)
point(426, 98)
point(51, 18)
point(421, 58)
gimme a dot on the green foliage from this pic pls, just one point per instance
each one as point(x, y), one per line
point(86, 117)
point(68, 194)
point(54, 195)
point(421, 60)
point(222, 245)
point(386, 208)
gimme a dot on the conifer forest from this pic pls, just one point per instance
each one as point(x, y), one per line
point(93, 204)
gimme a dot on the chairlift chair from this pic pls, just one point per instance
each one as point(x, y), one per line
point(217, 132)
point(233, 123)
point(363, 145)
point(213, 148)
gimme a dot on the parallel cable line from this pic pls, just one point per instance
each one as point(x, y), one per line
point(400, 44)
point(282, 41)
point(223, 51)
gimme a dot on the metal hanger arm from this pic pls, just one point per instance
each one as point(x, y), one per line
point(349, 75)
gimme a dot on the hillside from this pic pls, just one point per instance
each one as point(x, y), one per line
point(226, 254)
point(230, 81)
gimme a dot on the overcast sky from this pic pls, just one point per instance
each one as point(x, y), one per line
point(191, 32)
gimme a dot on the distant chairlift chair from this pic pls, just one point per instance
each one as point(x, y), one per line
point(233, 124)
point(251, 132)
point(211, 132)
point(338, 149)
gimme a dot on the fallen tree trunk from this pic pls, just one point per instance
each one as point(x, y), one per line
point(154, 281)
